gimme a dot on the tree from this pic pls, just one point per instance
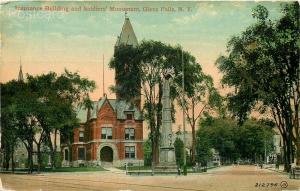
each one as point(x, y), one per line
point(179, 149)
point(202, 98)
point(147, 153)
point(253, 139)
point(146, 67)
point(263, 67)
point(57, 98)
point(42, 106)
point(17, 118)
point(203, 149)
point(9, 138)
point(233, 141)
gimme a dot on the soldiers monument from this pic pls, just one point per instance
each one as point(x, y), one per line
point(167, 150)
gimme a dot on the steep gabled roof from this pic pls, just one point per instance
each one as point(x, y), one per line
point(82, 111)
point(120, 107)
point(127, 36)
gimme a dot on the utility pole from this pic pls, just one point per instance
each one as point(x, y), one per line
point(183, 117)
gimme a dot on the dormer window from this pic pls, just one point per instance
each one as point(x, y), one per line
point(129, 116)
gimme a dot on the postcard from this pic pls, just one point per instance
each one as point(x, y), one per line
point(150, 95)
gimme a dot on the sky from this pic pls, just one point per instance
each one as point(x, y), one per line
point(76, 39)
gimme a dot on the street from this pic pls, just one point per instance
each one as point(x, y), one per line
point(228, 178)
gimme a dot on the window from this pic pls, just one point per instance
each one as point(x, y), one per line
point(106, 133)
point(129, 134)
point(66, 154)
point(130, 152)
point(81, 154)
point(81, 136)
point(129, 116)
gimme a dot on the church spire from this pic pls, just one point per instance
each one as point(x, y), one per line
point(20, 77)
point(127, 36)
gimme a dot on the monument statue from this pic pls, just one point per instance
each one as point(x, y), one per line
point(167, 150)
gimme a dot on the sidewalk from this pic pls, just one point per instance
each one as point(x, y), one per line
point(273, 168)
point(115, 170)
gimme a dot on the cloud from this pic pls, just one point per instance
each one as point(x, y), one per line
point(188, 19)
point(201, 10)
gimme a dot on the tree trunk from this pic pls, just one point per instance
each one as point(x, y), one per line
point(153, 131)
point(286, 154)
point(156, 150)
point(39, 154)
point(51, 151)
point(39, 157)
point(50, 145)
point(158, 122)
point(193, 157)
point(55, 148)
point(155, 147)
point(298, 151)
point(289, 153)
point(12, 160)
point(7, 158)
point(284, 157)
point(29, 160)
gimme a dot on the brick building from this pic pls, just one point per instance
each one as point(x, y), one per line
point(112, 131)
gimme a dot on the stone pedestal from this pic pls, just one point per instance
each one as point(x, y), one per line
point(167, 160)
point(167, 155)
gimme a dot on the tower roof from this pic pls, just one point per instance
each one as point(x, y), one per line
point(20, 76)
point(127, 36)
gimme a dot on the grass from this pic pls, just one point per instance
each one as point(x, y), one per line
point(65, 169)
point(189, 168)
point(95, 169)
point(74, 169)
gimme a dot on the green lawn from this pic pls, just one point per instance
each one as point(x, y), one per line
point(74, 169)
point(136, 168)
point(62, 169)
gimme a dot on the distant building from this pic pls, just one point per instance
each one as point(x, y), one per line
point(216, 159)
point(111, 132)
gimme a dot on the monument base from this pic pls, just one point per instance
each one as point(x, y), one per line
point(166, 168)
point(167, 155)
point(167, 162)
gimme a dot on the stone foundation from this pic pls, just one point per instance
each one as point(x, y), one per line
point(95, 163)
point(135, 162)
point(79, 163)
point(65, 163)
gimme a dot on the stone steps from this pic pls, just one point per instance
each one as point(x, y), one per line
point(166, 168)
